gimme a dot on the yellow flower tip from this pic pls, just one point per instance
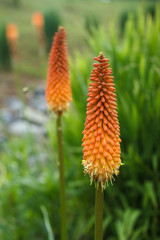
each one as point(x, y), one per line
point(60, 28)
point(58, 89)
point(101, 136)
point(101, 55)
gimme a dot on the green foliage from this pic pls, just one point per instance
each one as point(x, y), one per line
point(47, 223)
point(131, 206)
point(124, 18)
point(26, 184)
point(125, 15)
point(125, 226)
point(52, 20)
point(151, 9)
point(16, 2)
point(91, 22)
point(5, 56)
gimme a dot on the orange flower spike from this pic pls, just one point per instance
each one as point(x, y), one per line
point(58, 89)
point(12, 37)
point(38, 20)
point(101, 137)
point(38, 23)
point(11, 32)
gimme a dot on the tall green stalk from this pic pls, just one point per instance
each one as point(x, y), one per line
point(98, 213)
point(62, 181)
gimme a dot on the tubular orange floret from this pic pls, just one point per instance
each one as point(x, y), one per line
point(101, 137)
point(58, 89)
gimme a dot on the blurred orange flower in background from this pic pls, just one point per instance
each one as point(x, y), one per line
point(12, 37)
point(11, 31)
point(58, 89)
point(38, 23)
point(101, 140)
point(38, 20)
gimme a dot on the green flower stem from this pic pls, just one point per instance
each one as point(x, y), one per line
point(62, 181)
point(98, 213)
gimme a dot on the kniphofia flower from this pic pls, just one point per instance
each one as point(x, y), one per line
point(58, 89)
point(38, 20)
point(12, 37)
point(11, 32)
point(101, 140)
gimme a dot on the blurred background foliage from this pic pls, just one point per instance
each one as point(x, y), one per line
point(29, 193)
point(52, 20)
point(5, 55)
point(91, 22)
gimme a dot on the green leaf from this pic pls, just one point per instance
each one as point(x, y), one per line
point(150, 192)
point(47, 223)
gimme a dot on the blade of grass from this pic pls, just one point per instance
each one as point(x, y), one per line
point(47, 223)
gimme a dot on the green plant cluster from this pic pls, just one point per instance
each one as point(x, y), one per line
point(29, 172)
point(5, 55)
point(150, 9)
point(52, 20)
point(91, 21)
point(16, 2)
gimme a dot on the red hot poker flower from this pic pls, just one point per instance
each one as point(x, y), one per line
point(38, 23)
point(101, 140)
point(38, 20)
point(58, 89)
point(12, 32)
point(12, 37)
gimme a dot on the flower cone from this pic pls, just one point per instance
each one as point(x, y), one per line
point(101, 140)
point(12, 37)
point(38, 23)
point(38, 20)
point(58, 89)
